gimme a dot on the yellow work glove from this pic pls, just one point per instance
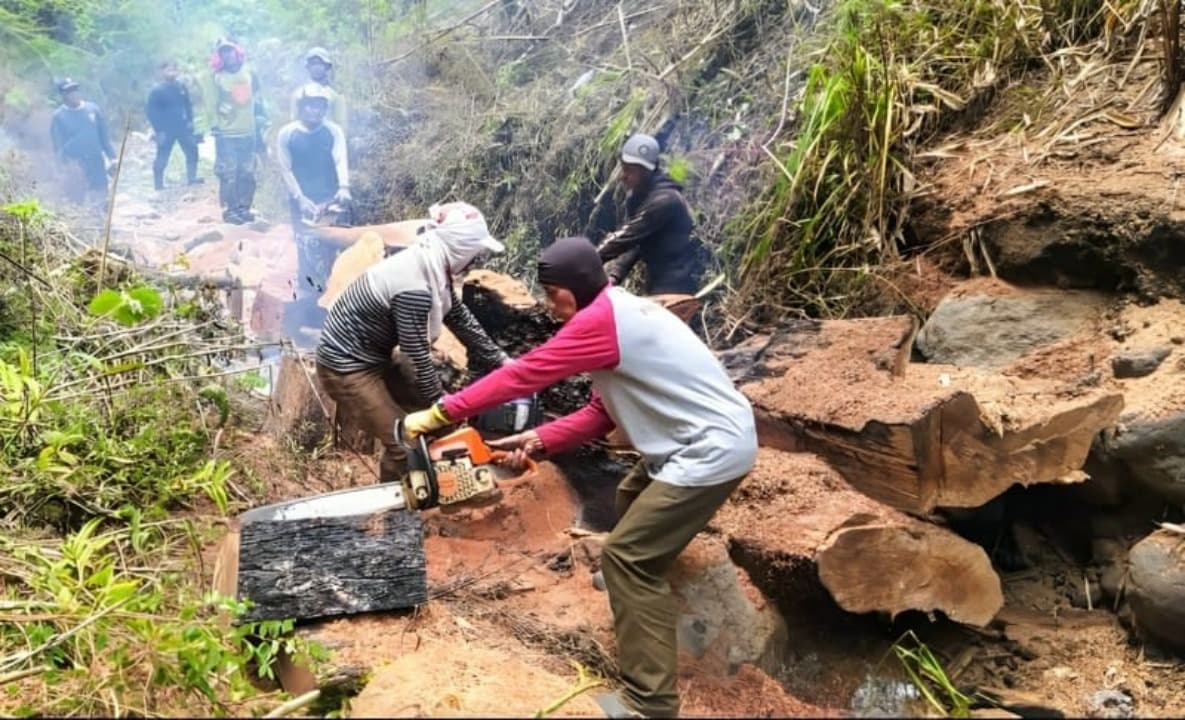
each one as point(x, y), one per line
point(424, 421)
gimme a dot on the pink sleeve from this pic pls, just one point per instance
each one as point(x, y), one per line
point(587, 342)
point(590, 421)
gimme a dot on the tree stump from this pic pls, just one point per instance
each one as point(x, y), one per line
point(795, 524)
point(302, 412)
point(912, 435)
point(338, 553)
point(517, 323)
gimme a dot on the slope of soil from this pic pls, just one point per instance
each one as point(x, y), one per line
point(1069, 180)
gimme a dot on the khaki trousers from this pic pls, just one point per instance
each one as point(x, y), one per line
point(657, 520)
point(374, 399)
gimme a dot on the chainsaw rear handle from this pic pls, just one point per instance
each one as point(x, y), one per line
point(527, 472)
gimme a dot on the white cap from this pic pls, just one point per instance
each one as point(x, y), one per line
point(312, 90)
point(319, 53)
point(462, 228)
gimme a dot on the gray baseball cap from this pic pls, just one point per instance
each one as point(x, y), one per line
point(641, 150)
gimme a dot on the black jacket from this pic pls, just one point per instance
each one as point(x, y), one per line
point(657, 231)
point(169, 109)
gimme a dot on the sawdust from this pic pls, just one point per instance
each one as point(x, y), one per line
point(711, 692)
point(838, 380)
point(793, 502)
point(466, 680)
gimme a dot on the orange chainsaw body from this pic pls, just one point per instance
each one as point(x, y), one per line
point(465, 442)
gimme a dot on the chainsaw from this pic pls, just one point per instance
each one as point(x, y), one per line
point(455, 471)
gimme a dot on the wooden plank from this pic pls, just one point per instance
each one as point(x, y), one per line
point(309, 564)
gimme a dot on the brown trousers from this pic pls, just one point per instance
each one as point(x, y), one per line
point(374, 399)
point(657, 520)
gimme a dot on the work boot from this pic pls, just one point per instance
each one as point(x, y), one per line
point(598, 581)
point(614, 707)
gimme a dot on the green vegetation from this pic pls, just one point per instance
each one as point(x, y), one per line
point(927, 674)
point(110, 404)
point(891, 75)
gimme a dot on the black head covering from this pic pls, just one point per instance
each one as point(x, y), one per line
point(573, 263)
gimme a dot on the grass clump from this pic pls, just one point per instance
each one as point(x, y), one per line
point(112, 404)
point(892, 74)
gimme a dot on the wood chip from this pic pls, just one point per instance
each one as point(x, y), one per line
point(1022, 189)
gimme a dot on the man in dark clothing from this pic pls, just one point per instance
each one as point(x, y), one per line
point(170, 112)
point(658, 225)
point(81, 144)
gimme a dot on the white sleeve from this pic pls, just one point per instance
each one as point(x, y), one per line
point(340, 155)
point(284, 155)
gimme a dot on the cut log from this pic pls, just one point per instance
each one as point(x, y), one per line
point(339, 553)
point(794, 524)
point(517, 323)
point(915, 436)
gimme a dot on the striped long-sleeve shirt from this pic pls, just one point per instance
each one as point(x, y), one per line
point(362, 330)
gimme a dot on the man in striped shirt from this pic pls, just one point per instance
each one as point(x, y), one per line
point(402, 303)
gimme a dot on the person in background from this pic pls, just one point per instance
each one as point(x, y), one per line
point(81, 143)
point(312, 155)
point(236, 120)
point(311, 152)
point(695, 431)
point(320, 68)
point(402, 303)
point(170, 112)
point(657, 227)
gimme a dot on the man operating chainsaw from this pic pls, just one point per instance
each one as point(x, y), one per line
point(374, 356)
point(656, 380)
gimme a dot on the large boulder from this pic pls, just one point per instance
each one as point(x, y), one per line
point(989, 324)
point(1154, 451)
point(1156, 588)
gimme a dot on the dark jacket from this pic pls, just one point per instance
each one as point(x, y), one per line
point(80, 133)
point(169, 109)
point(657, 231)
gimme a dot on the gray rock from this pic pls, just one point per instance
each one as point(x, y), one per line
point(1156, 589)
point(1154, 452)
point(1109, 479)
point(1138, 364)
point(1110, 704)
point(991, 331)
point(1111, 580)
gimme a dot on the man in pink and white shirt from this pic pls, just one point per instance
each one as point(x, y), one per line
point(656, 380)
